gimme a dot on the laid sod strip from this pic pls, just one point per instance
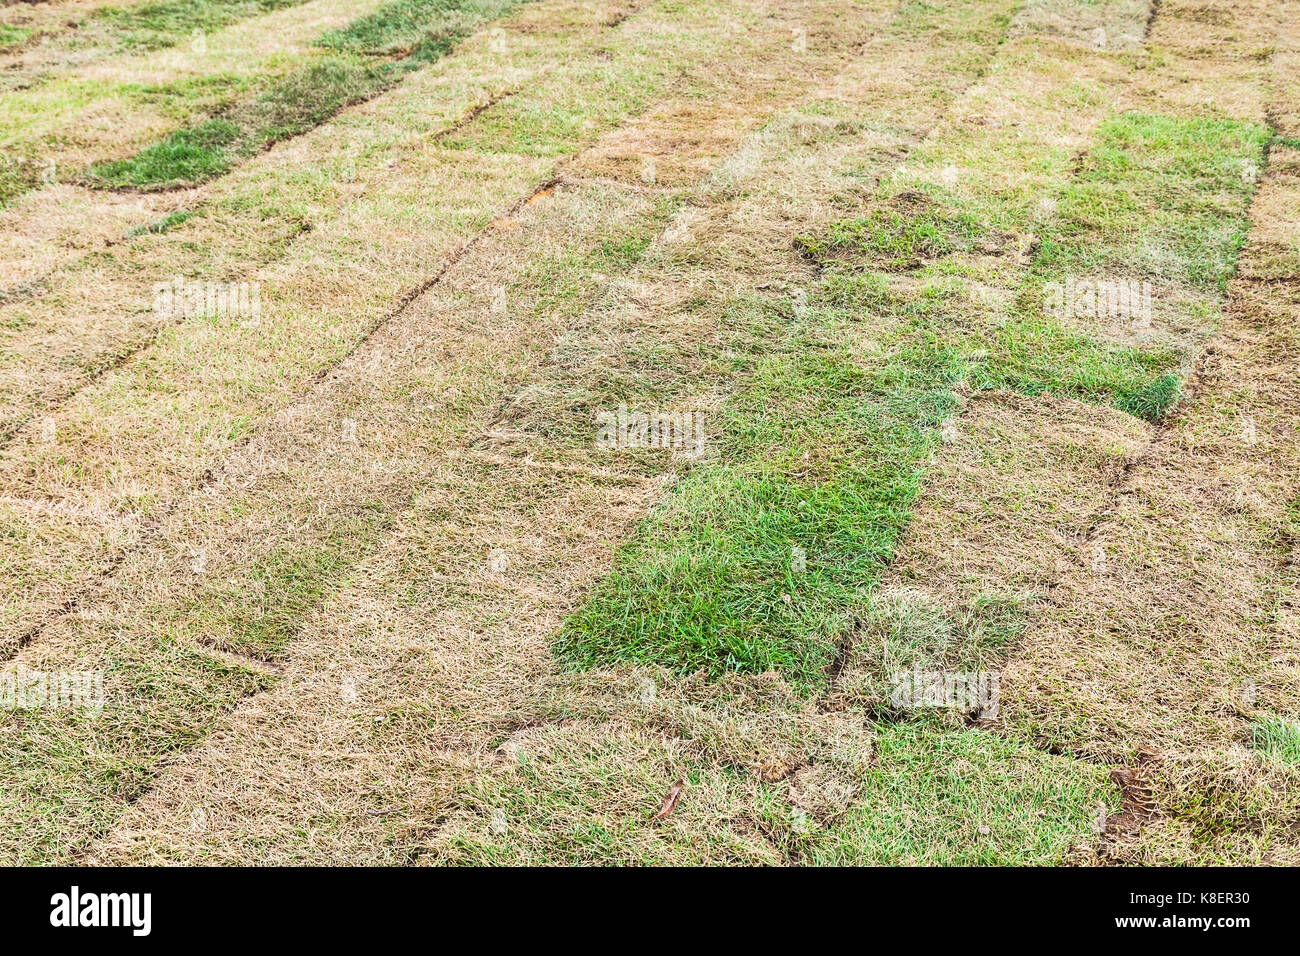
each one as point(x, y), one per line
point(60, 90)
point(1106, 25)
point(1008, 498)
point(422, 30)
point(29, 23)
point(54, 226)
point(585, 773)
point(1186, 174)
point(962, 798)
point(721, 586)
point(195, 617)
point(159, 696)
point(1209, 515)
point(580, 799)
point(156, 24)
point(820, 449)
point(233, 580)
point(404, 26)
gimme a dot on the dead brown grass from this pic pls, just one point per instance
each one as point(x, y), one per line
point(1210, 63)
point(322, 295)
point(1007, 508)
point(153, 473)
point(1111, 25)
point(98, 307)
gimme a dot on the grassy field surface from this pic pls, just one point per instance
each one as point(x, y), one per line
point(650, 431)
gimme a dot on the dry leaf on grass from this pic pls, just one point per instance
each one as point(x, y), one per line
point(670, 801)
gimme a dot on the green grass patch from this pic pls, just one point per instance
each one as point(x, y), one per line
point(306, 97)
point(911, 229)
point(1036, 354)
point(196, 154)
point(963, 798)
point(11, 37)
point(757, 560)
point(1277, 739)
point(403, 25)
point(1158, 196)
point(160, 225)
point(1153, 401)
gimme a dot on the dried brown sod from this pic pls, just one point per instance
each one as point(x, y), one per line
point(1111, 25)
point(419, 716)
point(1224, 806)
point(1188, 560)
point(1005, 508)
point(963, 584)
point(67, 40)
point(53, 227)
point(171, 595)
point(43, 19)
point(94, 111)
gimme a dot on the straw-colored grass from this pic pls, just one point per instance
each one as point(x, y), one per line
point(366, 588)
